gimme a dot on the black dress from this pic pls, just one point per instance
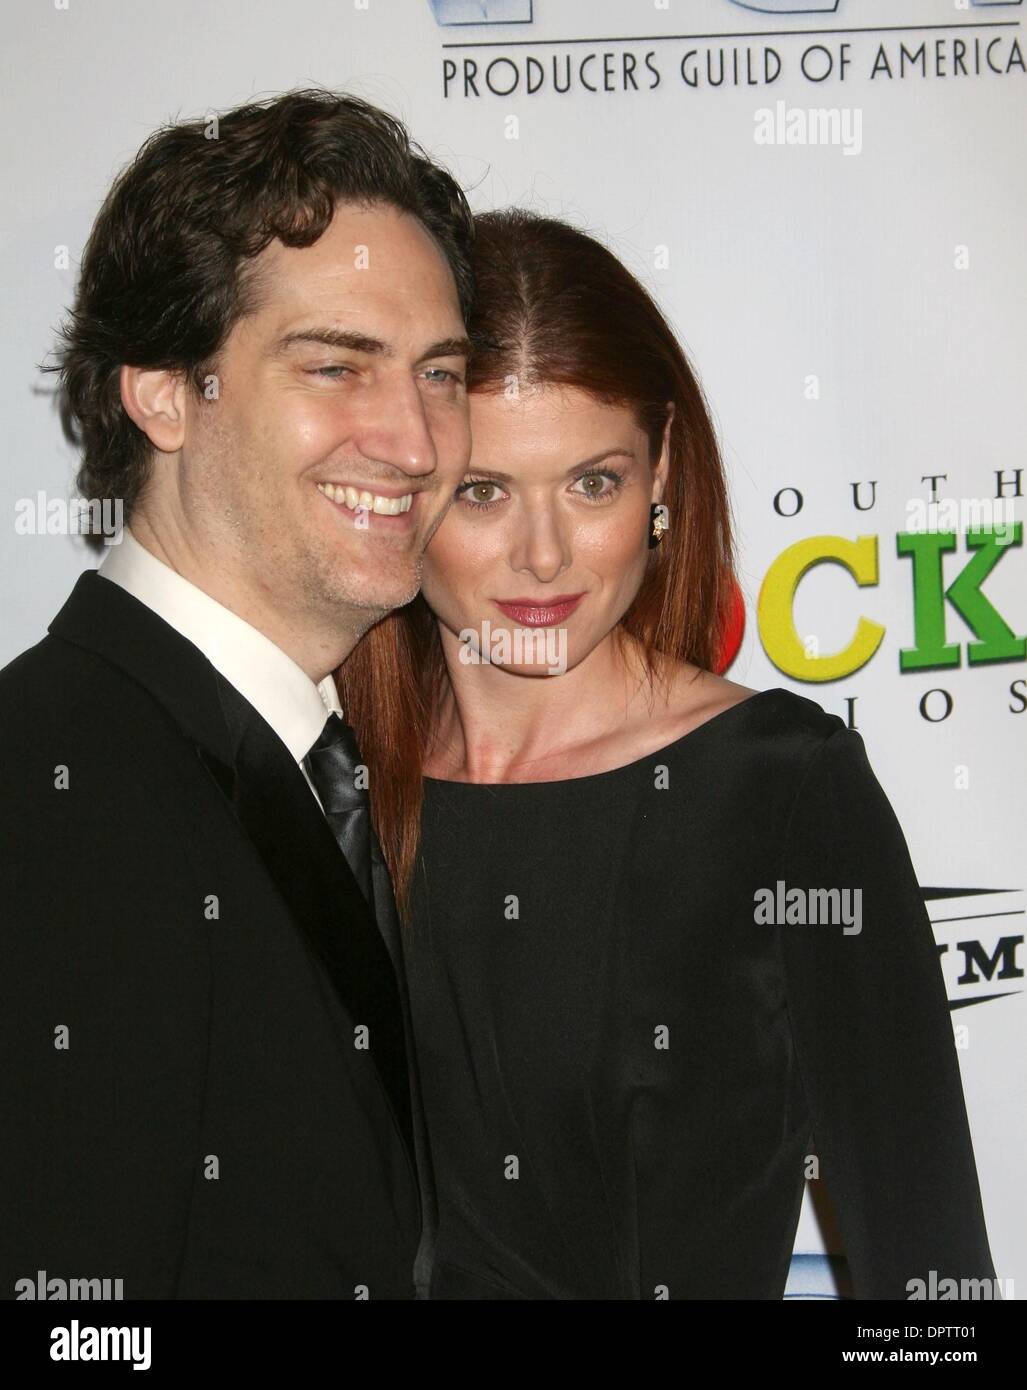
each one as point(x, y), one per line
point(623, 1071)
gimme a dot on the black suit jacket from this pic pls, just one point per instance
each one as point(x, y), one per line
point(190, 976)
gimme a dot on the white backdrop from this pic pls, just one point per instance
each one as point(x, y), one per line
point(855, 311)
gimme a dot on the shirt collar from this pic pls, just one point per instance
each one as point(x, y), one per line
point(277, 688)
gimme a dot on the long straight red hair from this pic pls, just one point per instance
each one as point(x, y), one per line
point(554, 307)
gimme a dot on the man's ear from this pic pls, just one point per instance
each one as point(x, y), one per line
point(662, 469)
point(154, 398)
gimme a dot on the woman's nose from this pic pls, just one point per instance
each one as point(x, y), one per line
point(541, 544)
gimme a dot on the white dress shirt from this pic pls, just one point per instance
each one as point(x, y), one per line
point(275, 686)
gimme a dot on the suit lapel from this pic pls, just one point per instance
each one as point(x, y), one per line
point(389, 925)
point(273, 804)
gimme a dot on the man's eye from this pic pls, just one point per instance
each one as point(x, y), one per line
point(329, 373)
point(442, 376)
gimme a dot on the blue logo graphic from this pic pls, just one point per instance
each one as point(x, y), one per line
point(789, 6)
point(831, 6)
point(453, 12)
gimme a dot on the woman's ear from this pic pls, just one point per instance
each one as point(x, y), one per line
point(662, 469)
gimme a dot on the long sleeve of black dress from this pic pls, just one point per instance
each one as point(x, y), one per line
point(873, 1040)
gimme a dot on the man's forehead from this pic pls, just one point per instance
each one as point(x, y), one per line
point(374, 246)
point(399, 275)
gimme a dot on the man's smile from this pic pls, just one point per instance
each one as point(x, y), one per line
point(379, 503)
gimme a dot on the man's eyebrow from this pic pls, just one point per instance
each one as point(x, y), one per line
point(361, 342)
point(448, 347)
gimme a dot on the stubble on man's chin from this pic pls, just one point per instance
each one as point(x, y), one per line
point(354, 604)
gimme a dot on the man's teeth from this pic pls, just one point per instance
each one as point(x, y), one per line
point(351, 498)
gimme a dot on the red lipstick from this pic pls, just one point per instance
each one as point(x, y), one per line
point(535, 612)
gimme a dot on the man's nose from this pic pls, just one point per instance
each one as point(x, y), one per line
point(393, 427)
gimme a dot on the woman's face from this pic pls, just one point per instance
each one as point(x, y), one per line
point(548, 531)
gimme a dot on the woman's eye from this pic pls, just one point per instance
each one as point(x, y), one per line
point(478, 492)
point(598, 487)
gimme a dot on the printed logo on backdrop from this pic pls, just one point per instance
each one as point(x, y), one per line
point(454, 12)
point(977, 38)
point(980, 943)
point(788, 6)
point(461, 12)
point(831, 6)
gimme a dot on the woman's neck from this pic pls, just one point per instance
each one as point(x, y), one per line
point(494, 725)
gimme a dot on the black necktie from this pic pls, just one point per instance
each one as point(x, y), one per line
point(332, 767)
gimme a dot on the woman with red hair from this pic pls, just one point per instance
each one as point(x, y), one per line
point(630, 1057)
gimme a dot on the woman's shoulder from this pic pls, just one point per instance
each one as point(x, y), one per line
point(801, 764)
point(797, 722)
point(775, 742)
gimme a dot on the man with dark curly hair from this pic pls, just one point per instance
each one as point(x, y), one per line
point(208, 1080)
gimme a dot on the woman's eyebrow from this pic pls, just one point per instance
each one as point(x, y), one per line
point(574, 468)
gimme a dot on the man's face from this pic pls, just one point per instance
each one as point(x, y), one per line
point(348, 376)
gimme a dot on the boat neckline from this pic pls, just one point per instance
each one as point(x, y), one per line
point(645, 759)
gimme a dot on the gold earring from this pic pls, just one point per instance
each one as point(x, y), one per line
point(658, 523)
